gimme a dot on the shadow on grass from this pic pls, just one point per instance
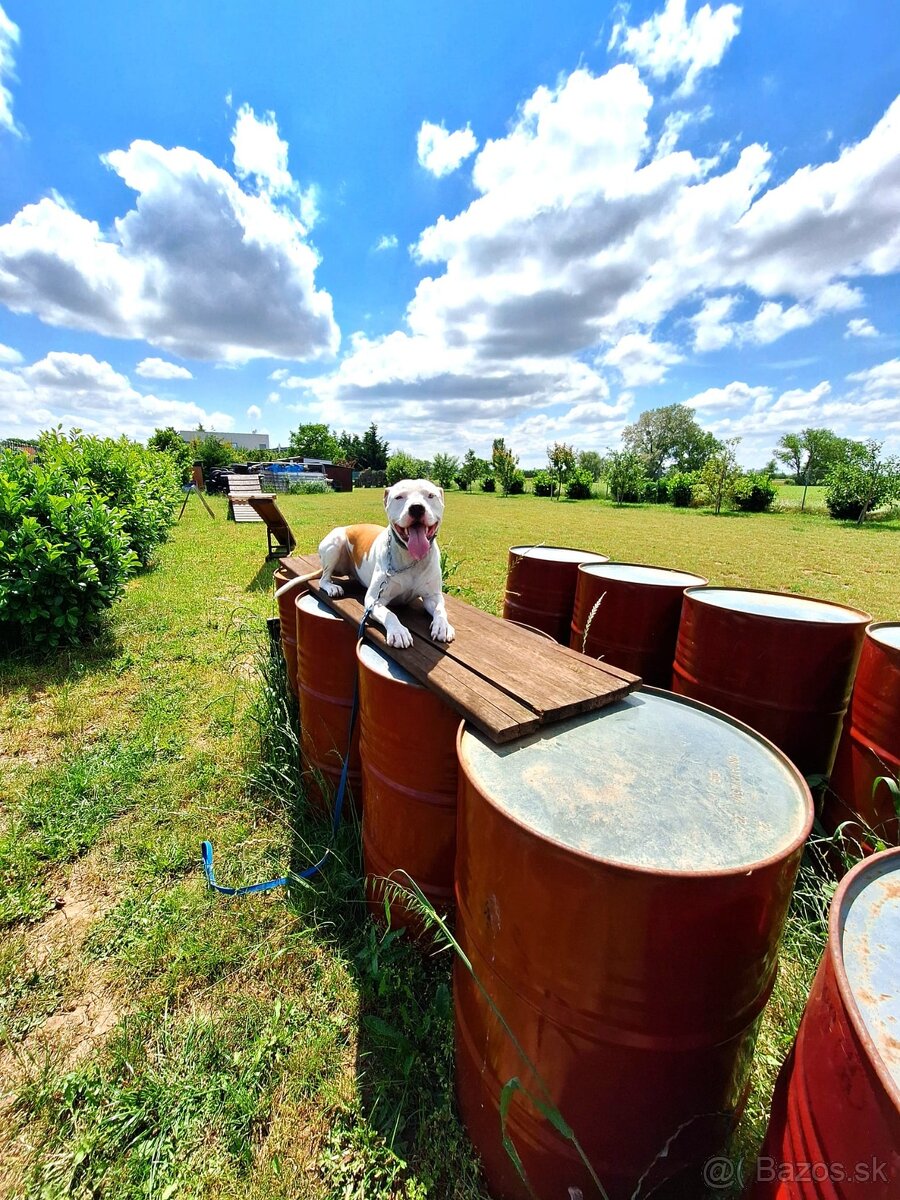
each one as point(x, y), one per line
point(38, 670)
point(262, 581)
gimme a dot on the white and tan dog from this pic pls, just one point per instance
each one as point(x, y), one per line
point(396, 564)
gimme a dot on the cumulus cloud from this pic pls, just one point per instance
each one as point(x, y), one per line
point(198, 267)
point(441, 152)
point(860, 327)
point(9, 355)
point(734, 395)
point(9, 40)
point(669, 44)
point(254, 412)
point(640, 360)
point(261, 158)
point(387, 241)
point(79, 390)
point(158, 368)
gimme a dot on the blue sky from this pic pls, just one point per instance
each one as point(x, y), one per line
point(457, 220)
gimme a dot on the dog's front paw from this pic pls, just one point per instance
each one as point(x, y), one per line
point(399, 635)
point(334, 590)
point(442, 630)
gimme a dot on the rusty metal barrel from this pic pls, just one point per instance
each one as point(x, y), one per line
point(834, 1130)
point(782, 663)
point(326, 678)
point(287, 623)
point(869, 748)
point(408, 751)
point(622, 880)
point(540, 587)
point(628, 615)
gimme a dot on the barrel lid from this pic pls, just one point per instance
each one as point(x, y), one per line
point(376, 660)
point(558, 554)
point(312, 604)
point(778, 605)
point(870, 947)
point(639, 573)
point(656, 781)
point(887, 633)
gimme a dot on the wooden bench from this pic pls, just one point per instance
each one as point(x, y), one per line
point(506, 680)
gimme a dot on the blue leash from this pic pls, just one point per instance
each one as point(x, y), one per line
point(206, 850)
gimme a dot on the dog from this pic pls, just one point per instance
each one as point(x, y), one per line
point(395, 564)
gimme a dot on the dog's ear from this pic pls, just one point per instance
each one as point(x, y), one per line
point(441, 490)
point(387, 492)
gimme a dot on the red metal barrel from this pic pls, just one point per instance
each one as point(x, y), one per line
point(287, 623)
point(834, 1132)
point(326, 677)
point(408, 749)
point(622, 880)
point(540, 587)
point(631, 613)
point(782, 663)
point(870, 744)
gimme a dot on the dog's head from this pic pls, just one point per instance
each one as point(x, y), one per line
point(415, 508)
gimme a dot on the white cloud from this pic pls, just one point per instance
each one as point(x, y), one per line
point(78, 390)
point(885, 378)
point(441, 152)
point(254, 412)
point(9, 355)
point(640, 360)
point(9, 39)
point(860, 327)
point(387, 241)
point(734, 395)
point(669, 44)
point(273, 398)
point(260, 152)
point(279, 374)
point(199, 267)
point(711, 328)
point(158, 368)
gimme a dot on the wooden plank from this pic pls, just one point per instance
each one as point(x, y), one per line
point(498, 715)
point(300, 564)
point(274, 520)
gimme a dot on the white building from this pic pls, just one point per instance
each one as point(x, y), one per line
point(241, 441)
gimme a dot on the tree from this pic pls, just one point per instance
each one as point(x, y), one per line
point(811, 454)
point(472, 468)
point(444, 468)
point(562, 463)
point(169, 441)
point(626, 476)
point(669, 437)
point(374, 450)
point(720, 473)
point(862, 482)
point(210, 452)
point(351, 449)
point(402, 465)
point(590, 460)
point(314, 441)
point(506, 466)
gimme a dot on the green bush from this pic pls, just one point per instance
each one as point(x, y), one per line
point(656, 491)
point(405, 466)
point(143, 485)
point(169, 441)
point(488, 484)
point(626, 476)
point(543, 483)
point(579, 484)
point(64, 554)
point(516, 484)
point(370, 478)
point(753, 492)
point(864, 483)
point(212, 453)
point(681, 485)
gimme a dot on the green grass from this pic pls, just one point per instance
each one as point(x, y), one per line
point(277, 1045)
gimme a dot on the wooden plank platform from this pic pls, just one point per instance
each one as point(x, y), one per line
point(240, 488)
point(505, 679)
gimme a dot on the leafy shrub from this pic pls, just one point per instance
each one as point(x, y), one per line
point(443, 469)
point(169, 441)
point(864, 482)
point(64, 554)
point(405, 466)
point(309, 487)
point(516, 484)
point(542, 482)
point(626, 476)
point(681, 486)
point(371, 478)
point(579, 485)
point(212, 453)
point(462, 483)
point(753, 492)
point(656, 491)
point(488, 484)
point(143, 485)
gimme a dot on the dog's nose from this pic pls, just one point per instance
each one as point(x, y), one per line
point(416, 511)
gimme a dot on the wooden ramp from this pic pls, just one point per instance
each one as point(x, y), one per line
point(281, 539)
point(505, 679)
point(240, 487)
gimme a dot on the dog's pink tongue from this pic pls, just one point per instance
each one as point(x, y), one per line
point(417, 543)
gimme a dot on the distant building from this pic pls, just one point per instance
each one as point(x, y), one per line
point(241, 441)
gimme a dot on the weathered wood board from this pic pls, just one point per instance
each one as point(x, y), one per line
point(505, 679)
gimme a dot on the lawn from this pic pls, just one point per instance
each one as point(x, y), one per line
point(158, 1041)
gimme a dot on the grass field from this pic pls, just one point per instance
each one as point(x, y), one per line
point(157, 1041)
